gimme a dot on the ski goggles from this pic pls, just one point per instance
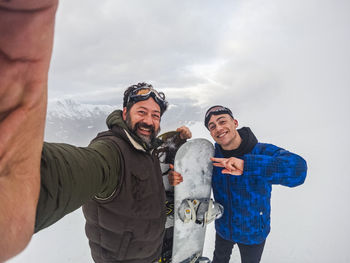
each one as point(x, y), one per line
point(216, 110)
point(144, 93)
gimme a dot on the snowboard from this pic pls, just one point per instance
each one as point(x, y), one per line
point(193, 162)
point(166, 152)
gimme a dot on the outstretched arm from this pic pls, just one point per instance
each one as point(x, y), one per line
point(26, 36)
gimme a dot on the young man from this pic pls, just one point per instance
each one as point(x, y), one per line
point(243, 174)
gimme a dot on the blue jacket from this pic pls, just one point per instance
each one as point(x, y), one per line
point(246, 198)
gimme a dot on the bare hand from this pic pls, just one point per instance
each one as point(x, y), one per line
point(26, 36)
point(232, 165)
point(174, 177)
point(185, 132)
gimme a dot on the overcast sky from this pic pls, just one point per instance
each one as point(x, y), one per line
point(281, 66)
point(210, 51)
point(285, 60)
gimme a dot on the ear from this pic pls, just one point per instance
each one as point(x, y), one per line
point(235, 122)
point(124, 113)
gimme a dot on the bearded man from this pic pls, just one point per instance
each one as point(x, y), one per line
point(117, 178)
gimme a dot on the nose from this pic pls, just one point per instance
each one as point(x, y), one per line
point(218, 128)
point(148, 119)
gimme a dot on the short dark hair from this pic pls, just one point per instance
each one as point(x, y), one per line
point(216, 110)
point(128, 103)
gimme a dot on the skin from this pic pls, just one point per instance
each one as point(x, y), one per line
point(185, 132)
point(223, 129)
point(146, 114)
point(26, 36)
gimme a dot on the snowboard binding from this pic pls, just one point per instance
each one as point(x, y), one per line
point(203, 260)
point(200, 211)
point(196, 258)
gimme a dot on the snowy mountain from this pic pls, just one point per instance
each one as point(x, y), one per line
point(72, 122)
point(77, 123)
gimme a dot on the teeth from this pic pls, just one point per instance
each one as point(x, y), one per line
point(221, 135)
point(144, 129)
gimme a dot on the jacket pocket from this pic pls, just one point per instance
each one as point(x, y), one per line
point(119, 252)
point(261, 221)
point(141, 186)
point(124, 245)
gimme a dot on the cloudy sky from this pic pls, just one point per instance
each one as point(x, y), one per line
point(281, 66)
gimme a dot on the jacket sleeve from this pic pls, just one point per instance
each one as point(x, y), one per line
point(277, 165)
point(70, 176)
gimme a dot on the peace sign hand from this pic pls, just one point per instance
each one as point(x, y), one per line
point(232, 165)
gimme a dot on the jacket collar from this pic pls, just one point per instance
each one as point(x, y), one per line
point(115, 122)
point(134, 143)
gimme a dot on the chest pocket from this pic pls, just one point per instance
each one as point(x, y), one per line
point(146, 190)
point(142, 185)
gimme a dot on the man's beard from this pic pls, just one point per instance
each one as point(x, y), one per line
point(146, 139)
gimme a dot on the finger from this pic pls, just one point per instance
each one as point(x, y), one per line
point(185, 132)
point(180, 129)
point(176, 181)
point(218, 159)
point(171, 166)
point(174, 173)
point(185, 136)
point(236, 172)
point(178, 177)
point(218, 165)
point(171, 180)
point(230, 166)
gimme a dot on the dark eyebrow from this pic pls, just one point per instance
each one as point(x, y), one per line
point(218, 119)
point(143, 107)
point(221, 118)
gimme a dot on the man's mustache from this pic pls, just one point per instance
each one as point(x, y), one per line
point(145, 126)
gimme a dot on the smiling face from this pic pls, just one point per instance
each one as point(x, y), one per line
point(143, 119)
point(223, 130)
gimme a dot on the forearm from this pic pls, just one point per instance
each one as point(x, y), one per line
point(70, 176)
point(287, 169)
point(26, 34)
